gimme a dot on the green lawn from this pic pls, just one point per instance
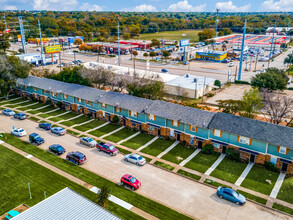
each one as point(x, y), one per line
point(141, 202)
point(120, 135)
point(286, 191)
point(64, 117)
point(172, 35)
point(72, 132)
point(178, 153)
point(3, 100)
point(55, 113)
point(20, 105)
point(190, 175)
point(123, 150)
point(34, 118)
point(37, 105)
point(48, 108)
point(283, 208)
point(157, 147)
point(90, 125)
point(202, 162)
point(253, 197)
point(229, 170)
point(9, 102)
point(138, 141)
point(260, 179)
point(78, 120)
point(104, 130)
point(214, 183)
point(163, 165)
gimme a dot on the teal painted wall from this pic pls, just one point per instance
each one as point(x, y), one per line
point(179, 128)
point(272, 149)
point(201, 132)
point(159, 121)
point(140, 117)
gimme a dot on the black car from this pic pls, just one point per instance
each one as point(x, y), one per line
point(76, 157)
point(36, 139)
point(46, 126)
point(57, 149)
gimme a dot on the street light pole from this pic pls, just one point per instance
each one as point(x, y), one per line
point(118, 43)
point(272, 44)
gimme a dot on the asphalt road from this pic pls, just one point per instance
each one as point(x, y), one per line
point(179, 193)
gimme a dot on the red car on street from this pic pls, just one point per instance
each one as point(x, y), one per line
point(130, 181)
point(108, 148)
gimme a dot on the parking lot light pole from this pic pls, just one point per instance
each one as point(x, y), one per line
point(242, 48)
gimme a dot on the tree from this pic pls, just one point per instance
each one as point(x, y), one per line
point(145, 54)
point(289, 61)
point(152, 54)
point(229, 106)
point(82, 47)
point(250, 103)
point(103, 196)
point(4, 42)
point(20, 50)
point(206, 34)
point(226, 31)
point(126, 36)
point(166, 54)
point(135, 53)
point(77, 41)
point(155, 43)
point(272, 79)
point(218, 83)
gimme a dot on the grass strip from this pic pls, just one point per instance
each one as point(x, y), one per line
point(48, 108)
point(76, 121)
point(178, 153)
point(121, 150)
point(283, 208)
point(190, 175)
point(286, 190)
point(214, 183)
point(120, 135)
point(157, 147)
point(72, 132)
point(163, 165)
point(90, 125)
point(253, 197)
point(138, 141)
point(104, 130)
point(34, 118)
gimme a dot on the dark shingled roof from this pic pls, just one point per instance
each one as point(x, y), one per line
point(188, 115)
point(258, 130)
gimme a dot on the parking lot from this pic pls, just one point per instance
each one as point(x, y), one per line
point(167, 154)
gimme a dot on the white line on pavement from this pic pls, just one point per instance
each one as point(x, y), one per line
point(97, 127)
point(244, 174)
point(278, 185)
point(168, 149)
point(190, 157)
point(82, 123)
point(112, 132)
point(128, 138)
point(214, 166)
point(148, 143)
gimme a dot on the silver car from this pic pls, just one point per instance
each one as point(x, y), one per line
point(135, 158)
point(88, 141)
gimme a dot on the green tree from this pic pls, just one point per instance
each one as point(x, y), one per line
point(229, 106)
point(218, 83)
point(166, 54)
point(4, 42)
point(134, 53)
point(103, 196)
point(155, 43)
point(126, 36)
point(77, 41)
point(152, 54)
point(145, 54)
point(272, 79)
point(206, 34)
point(226, 31)
point(250, 103)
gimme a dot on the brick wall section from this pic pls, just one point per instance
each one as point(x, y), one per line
point(186, 138)
point(42, 99)
point(244, 155)
point(290, 168)
point(260, 159)
point(165, 132)
point(74, 107)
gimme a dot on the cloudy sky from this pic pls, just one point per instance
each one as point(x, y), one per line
point(149, 5)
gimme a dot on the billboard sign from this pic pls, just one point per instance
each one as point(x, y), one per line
point(53, 49)
point(184, 43)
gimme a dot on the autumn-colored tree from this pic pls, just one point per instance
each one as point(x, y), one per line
point(77, 41)
point(82, 47)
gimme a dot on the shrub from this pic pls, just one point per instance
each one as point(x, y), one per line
point(208, 149)
point(290, 88)
point(103, 196)
point(115, 119)
point(233, 154)
point(210, 94)
point(48, 102)
point(60, 105)
point(241, 82)
point(217, 83)
point(271, 166)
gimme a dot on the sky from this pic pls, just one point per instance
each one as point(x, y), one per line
point(150, 5)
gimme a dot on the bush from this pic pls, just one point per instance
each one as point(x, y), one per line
point(271, 166)
point(241, 82)
point(112, 55)
point(290, 88)
point(60, 105)
point(233, 154)
point(48, 102)
point(217, 83)
point(210, 95)
point(103, 196)
point(115, 119)
point(208, 149)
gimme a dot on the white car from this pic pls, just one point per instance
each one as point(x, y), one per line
point(19, 132)
point(231, 64)
point(8, 112)
point(135, 158)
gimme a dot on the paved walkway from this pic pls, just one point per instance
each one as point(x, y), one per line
point(9, 100)
point(27, 105)
point(128, 138)
point(20, 103)
point(54, 110)
point(40, 107)
point(190, 157)
point(214, 166)
point(64, 113)
point(168, 149)
point(278, 185)
point(244, 174)
point(71, 118)
point(112, 132)
point(82, 123)
point(97, 127)
point(15, 103)
point(148, 143)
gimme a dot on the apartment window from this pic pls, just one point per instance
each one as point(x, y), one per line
point(152, 117)
point(133, 114)
point(216, 145)
point(152, 128)
point(104, 105)
point(35, 89)
point(46, 92)
point(244, 140)
point(54, 94)
point(193, 128)
point(79, 100)
point(217, 133)
point(65, 96)
point(88, 103)
point(175, 123)
point(25, 87)
point(273, 160)
point(118, 109)
point(172, 132)
point(282, 150)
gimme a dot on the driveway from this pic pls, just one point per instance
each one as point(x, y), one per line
point(179, 193)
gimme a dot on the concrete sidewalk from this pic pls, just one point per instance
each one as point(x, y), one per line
point(190, 157)
point(168, 149)
point(244, 174)
point(214, 166)
point(278, 185)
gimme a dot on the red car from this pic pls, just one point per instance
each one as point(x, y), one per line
point(130, 181)
point(108, 148)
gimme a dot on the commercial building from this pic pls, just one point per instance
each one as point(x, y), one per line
point(278, 30)
point(67, 205)
point(113, 47)
point(216, 56)
point(257, 141)
point(36, 58)
point(141, 44)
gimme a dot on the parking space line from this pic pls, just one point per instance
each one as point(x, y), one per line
point(82, 123)
point(214, 166)
point(128, 138)
point(190, 157)
point(112, 132)
point(278, 185)
point(48, 111)
point(70, 118)
point(244, 174)
point(148, 143)
point(97, 127)
point(168, 149)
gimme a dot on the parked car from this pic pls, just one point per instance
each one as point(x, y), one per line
point(36, 139)
point(20, 116)
point(46, 126)
point(76, 157)
point(57, 149)
point(231, 195)
point(164, 71)
point(224, 61)
point(79, 61)
point(8, 112)
point(88, 141)
point(130, 181)
point(19, 132)
point(71, 63)
point(61, 64)
point(231, 64)
point(58, 130)
point(108, 148)
point(185, 63)
point(135, 158)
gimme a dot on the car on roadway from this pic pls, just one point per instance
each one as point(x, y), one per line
point(57, 149)
point(76, 157)
point(185, 63)
point(58, 130)
point(164, 70)
point(20, 116)
point(224, 61)
point(61, 64)
point(135, 158)
point(8, 112)
point(108, 148)
point(18, 132)
point(130, 181)
point(71, 63)
point(231, 195)
point(47, 126)
point(88, 141)
point(36, 139)
point(79, 61)
point(231, 64)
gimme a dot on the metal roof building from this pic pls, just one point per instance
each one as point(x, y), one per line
point(66, 204)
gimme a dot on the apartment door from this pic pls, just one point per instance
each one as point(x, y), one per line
point(224, 149)
point(178, 137)
point(284, 167)
point(159, 132)
point(252, 158)
point(199, 144)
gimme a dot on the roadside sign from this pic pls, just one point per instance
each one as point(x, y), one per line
point(53, 49)
point(184, 43)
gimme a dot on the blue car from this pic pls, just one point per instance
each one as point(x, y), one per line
point(57, 149)
point(20, 116)
point(164, 71)
point(231, 195)
point(8, 112)
point(185, 63)
point(58, 130)
point(46, 126)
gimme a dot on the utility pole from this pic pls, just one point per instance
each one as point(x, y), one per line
point(203, 88)
point(118, 43)
point(5, 22)
point(41, 43)
point(256, 59)
point(22, 33)
point(242, 48)
point(217, 10)
point(272, 44)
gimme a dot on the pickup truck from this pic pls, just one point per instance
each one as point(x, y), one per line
point(36, 139)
